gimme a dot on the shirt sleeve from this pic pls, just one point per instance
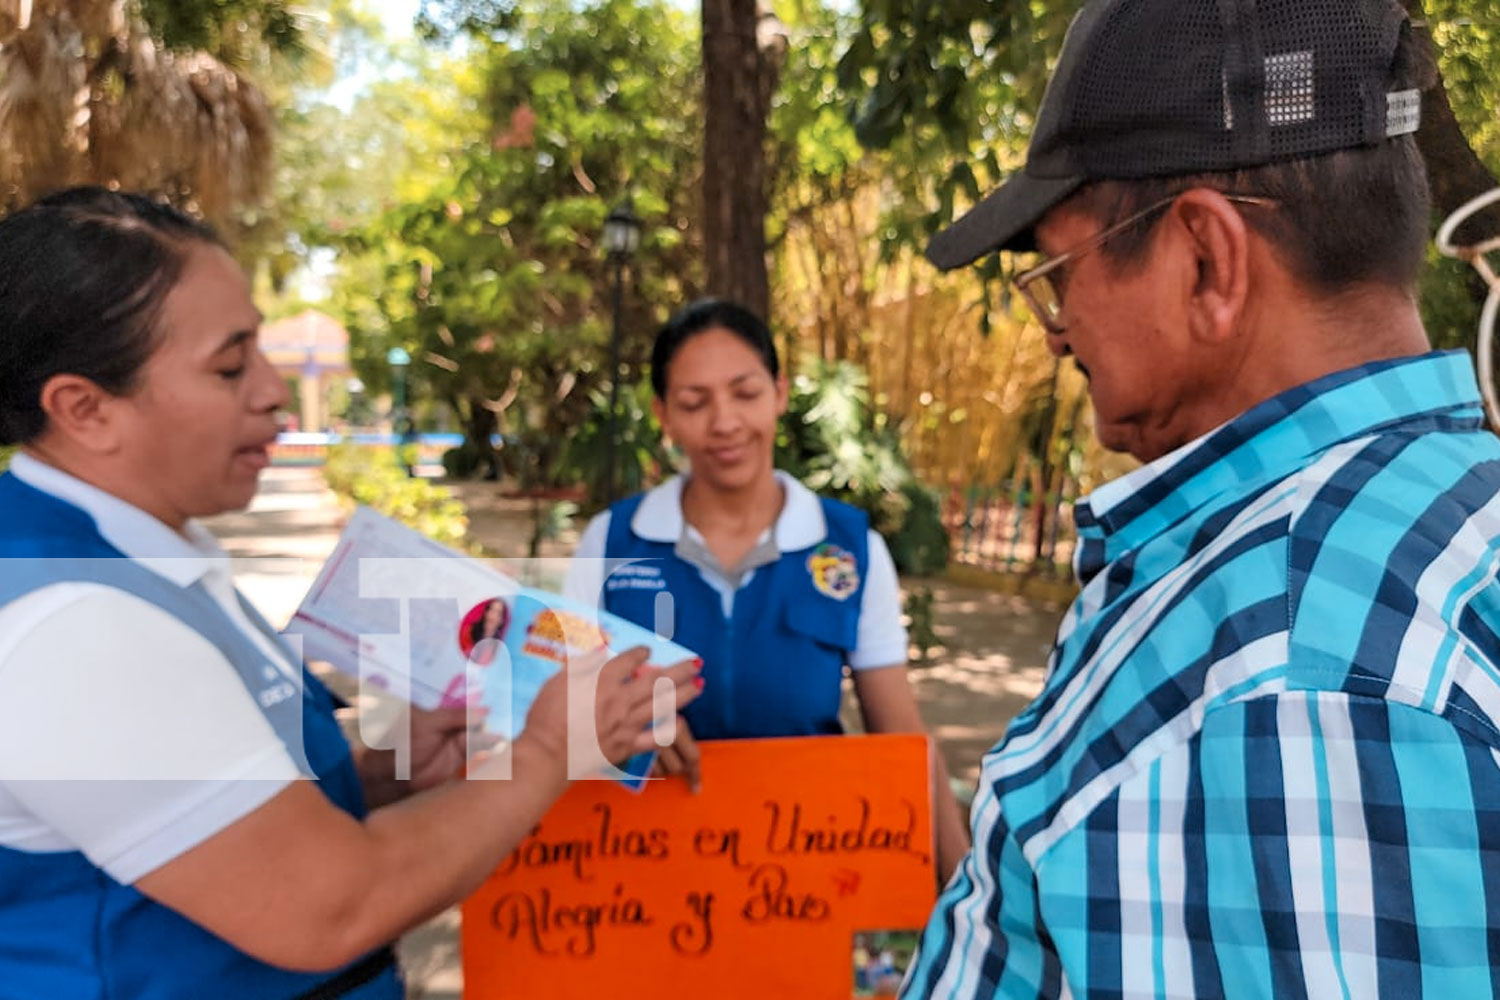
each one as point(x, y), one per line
point(1309, 844)
point(127, 735)
point(882, 638)
point(584, 581)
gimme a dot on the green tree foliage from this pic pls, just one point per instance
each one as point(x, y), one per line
point(833, 440)
point(373, 477)
point(741, 46)
point(1466, 34)
point(957, 374)
point(445, 20)
point(964, 77)
point(239, 33)
point(489, 269)
point(960, 79)
point(956, 83)
point(338, 167)
point(640, 457)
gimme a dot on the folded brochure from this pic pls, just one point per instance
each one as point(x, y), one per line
point(401, 612)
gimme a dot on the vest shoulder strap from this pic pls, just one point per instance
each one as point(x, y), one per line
point(621, 542)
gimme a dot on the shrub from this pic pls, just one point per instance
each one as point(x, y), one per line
point(920, 545)
point(461, 462)
point(833, 441)
point(372, 476)
point(921, 622)
point(640, 455)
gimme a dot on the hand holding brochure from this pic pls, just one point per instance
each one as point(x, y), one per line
point(403, 613)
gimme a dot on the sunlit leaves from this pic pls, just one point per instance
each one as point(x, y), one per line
point(943, 82)
point(1467, 35)
point(489, 264)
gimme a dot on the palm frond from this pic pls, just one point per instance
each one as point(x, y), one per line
point(87, 96)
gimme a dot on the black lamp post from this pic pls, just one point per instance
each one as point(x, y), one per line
point(401, 422)
point(398, 359)
point(622, 238)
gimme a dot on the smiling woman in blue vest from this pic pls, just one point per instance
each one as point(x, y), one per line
point(155, 838)
point(778, 589)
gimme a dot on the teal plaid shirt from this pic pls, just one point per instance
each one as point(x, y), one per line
point(1264, 763)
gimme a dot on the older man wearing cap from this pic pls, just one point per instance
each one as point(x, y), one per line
point(1266, 760)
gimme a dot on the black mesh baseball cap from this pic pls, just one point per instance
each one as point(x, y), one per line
point(1163, 88)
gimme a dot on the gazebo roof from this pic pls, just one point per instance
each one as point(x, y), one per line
point(310, 343)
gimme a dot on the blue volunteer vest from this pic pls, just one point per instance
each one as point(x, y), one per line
point(775, 666)
point(68, 930)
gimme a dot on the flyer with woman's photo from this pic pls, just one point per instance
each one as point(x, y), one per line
point(405, 614)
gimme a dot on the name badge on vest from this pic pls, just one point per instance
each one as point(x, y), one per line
point(834, 572)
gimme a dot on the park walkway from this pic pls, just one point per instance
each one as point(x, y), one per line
point(989, 668)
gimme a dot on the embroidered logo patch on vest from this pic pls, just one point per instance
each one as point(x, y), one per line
point(834, 572)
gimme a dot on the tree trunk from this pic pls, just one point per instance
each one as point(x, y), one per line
point(1455, 175)
point(480, 424)
point(741, 64)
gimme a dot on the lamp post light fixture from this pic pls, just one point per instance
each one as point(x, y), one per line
point(398, 359)
point(622, 238)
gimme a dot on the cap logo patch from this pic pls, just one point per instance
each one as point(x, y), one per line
point(834, 572)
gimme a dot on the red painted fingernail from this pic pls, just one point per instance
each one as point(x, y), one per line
point(698, 664)
point(698, 682)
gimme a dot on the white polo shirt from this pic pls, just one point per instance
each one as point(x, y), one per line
point(882, 640)
point(123, 733)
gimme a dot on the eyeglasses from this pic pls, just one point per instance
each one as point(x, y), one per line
point(1038, 287)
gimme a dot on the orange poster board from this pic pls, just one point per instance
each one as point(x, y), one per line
point(754, 888)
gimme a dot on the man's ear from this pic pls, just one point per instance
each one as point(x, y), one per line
point(1219, 243)
point(79, 411)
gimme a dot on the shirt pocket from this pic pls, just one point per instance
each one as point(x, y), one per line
point(832, 624)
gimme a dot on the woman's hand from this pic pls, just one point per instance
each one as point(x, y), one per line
point(343, 886)
point(680, 758)
point(440, 743)
point(608, 709)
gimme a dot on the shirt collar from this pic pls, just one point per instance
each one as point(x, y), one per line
point(801, 524)
point(1270, 441)
point(181, 560)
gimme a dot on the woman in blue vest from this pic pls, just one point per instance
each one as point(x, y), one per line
point(155, 841)
point(776, 588)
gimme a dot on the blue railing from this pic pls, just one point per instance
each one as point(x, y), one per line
point(311, 448)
